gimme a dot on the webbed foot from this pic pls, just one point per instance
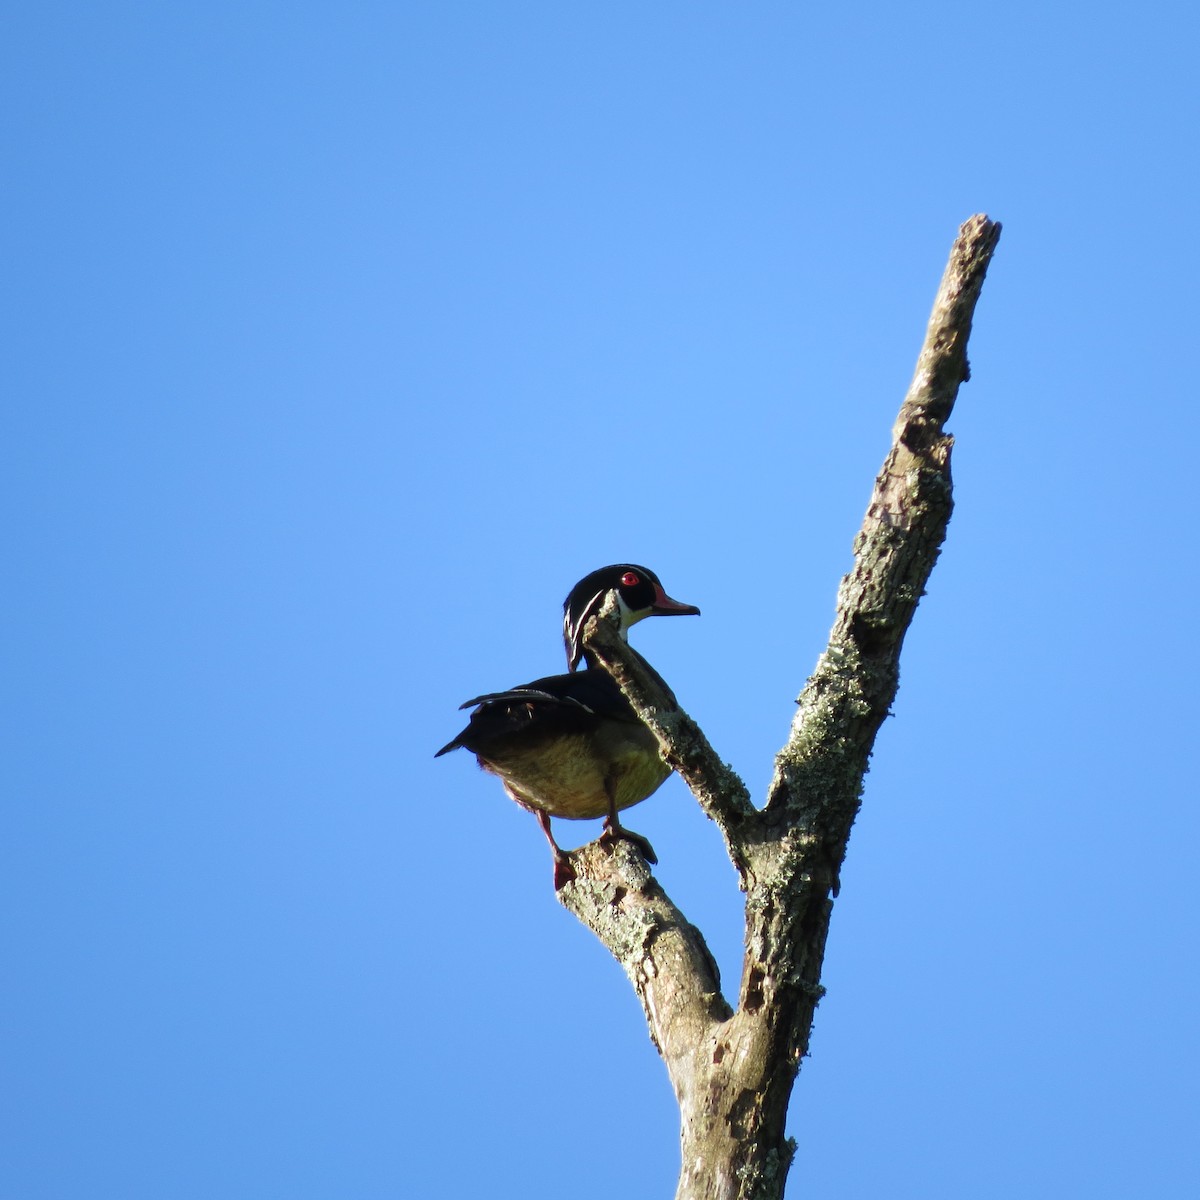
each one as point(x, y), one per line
point(564, 873)
point(615, 831)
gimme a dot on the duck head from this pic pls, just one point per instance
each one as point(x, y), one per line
point(640, 594)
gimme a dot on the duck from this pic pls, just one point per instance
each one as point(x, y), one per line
point(571, 745)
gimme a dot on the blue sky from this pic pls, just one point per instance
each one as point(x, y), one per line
point(343, 340)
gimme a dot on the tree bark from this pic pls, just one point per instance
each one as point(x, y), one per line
point(732, 1069)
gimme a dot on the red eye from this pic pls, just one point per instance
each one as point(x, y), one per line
point(629, 579)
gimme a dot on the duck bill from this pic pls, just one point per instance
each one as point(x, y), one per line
point(664, 606)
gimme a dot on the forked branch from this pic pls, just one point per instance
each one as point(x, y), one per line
point(733, 1070)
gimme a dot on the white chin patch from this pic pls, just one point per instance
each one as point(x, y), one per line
point(630, 616)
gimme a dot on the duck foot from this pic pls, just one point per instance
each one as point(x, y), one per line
point(564, 873)
point(614, 831)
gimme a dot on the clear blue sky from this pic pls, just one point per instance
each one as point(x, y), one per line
point(341, 339)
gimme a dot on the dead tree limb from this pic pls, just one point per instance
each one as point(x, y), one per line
point(733, 1068)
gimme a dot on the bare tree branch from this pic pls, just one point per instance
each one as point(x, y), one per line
point(666, 958)
point(818, 773)
point(717, 787)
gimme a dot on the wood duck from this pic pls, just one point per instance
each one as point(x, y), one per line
point(570, 745)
